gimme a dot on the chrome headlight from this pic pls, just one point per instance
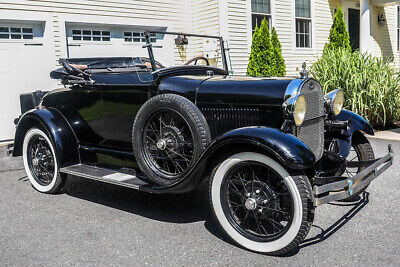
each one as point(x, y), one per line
point(334, 101)
point(295, 109)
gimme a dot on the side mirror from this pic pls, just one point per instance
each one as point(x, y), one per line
point(181, 40)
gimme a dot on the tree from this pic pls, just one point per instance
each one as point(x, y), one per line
point(266, 56)
point(261, 50)
point(279, 62)
point(338, 36)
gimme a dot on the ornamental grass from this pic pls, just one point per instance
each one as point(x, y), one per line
point(370, 84)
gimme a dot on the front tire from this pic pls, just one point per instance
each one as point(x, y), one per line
point(40, 162)
point(259, 205)
point(361, 150)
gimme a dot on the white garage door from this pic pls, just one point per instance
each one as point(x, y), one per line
point(25, 67)
point(115, 41)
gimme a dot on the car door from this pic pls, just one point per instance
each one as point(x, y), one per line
point(121, 100)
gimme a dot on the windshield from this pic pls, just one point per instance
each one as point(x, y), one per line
point(158, 50)
point(178, 49)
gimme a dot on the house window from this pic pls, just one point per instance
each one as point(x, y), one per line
point(260, 9)
point(398, 28)
point(15, 33)
point(303, 23)
point(91, 35)
point(138, 37)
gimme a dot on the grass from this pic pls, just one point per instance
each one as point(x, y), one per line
point(370, 84)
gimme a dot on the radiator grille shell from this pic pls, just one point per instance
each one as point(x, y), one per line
point(311, 132)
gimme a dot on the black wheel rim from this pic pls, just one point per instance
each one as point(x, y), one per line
point(257, 202)
point(168, 143)
point(40, 160)
point(354, 155)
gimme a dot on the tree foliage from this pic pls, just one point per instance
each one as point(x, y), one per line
point(266, 56)
point(278, 61)
point(339, 36)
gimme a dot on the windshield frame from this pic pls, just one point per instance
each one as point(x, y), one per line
point(149, 46)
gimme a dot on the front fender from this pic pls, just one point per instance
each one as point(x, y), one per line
point(285, 148)
point(52, 121)
point(357, 123)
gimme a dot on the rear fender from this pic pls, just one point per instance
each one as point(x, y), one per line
point(52, 121)
point(357, 123)
point(284, 148)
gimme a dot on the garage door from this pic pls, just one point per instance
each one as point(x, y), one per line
point(115, 41)
point(25, 67)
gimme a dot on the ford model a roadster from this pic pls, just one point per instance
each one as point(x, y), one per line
point(271, 149)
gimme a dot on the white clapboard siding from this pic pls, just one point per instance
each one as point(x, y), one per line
point(237, 33)
point(385, 36)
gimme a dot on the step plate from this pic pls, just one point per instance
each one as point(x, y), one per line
point(104, 175)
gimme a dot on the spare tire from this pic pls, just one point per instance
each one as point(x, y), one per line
point(168, 136)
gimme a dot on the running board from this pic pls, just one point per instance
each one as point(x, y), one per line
point(104, 175)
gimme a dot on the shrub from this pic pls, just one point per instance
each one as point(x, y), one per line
point(278, 61)
point(370, 85)
point(266, 56)
point(338, 36)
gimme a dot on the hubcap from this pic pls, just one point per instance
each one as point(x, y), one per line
point(161, 144)
point(250, 204)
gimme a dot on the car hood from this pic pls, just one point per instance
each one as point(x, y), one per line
point(228, 89)
point(243, 89)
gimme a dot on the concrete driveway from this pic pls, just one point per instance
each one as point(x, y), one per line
point(93, 223)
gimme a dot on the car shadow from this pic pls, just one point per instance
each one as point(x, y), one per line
point(173, 208)
point(184, 208)
point(358, 205)
point(324, 234)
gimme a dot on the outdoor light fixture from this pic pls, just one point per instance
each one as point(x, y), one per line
point(181, 40)
point(381, 19)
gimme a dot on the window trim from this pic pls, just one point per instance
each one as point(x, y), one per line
point(270, 15)
point(21, 27)
point(91, 41)
point(141, 37)
point(304, 50)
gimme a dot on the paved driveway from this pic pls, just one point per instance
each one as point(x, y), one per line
point(95, 223)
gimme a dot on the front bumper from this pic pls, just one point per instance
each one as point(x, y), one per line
point(339, 188)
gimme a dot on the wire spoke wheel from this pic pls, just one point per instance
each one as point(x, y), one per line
point(256, 201)
point(168, 142)
point(40, 160)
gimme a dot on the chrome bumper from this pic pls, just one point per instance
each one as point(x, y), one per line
point(346, 187)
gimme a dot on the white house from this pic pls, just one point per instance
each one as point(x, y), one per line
point(34, 34)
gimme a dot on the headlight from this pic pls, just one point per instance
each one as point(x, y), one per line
point(334, 101)
point(295, 109)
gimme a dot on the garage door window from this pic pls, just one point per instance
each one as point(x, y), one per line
point(138, 37)
point(15, 33)
point(91, 35)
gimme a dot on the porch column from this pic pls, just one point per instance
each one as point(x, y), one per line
point(365, 27)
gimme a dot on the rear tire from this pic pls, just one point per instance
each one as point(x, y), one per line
point(41, 163)
point(247, 219)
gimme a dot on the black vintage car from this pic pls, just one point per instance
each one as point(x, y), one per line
point(270, 149)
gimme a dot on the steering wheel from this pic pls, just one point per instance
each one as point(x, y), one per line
point(195, 59)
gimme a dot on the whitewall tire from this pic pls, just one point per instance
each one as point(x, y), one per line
point(259, 204)
point(41, 163)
